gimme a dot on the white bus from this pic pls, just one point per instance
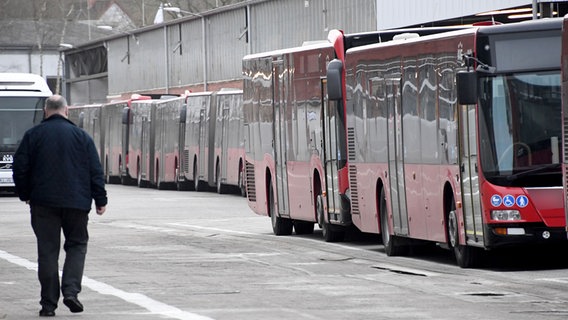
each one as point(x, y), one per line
point(22, 98)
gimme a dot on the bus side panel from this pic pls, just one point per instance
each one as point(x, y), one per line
point(564, 71)
point(258, 115)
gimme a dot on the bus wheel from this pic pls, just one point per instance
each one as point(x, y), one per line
point(107, 175)
point(242, 186)
point(392, 243)
point(221, 189)
point(329, 232)
point(139, 177)
point(280, 226)
point(197, 184)
point(303, 227)
point(465, 255)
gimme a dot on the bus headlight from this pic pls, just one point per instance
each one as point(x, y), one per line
point(505, 215)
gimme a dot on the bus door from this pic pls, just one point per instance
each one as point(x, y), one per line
point(152, 116)
point(203, 140)
point(279, 78)
point(396, 158)
point(126, 123)
point(183, 163)
point(144, 142)
point(330, 152)
point(469, 174)
point(225, 105)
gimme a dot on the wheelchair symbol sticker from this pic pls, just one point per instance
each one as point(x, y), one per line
point(496, 200)
point(509, 200)
point(522, 201)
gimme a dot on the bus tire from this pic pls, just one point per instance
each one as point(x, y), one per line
point(198, 185)
point(466, 256)
point(280, 226)
point(303, 227)
point(329, 232)
point(392, 243)
point(221, 188)
point(139, 180)
point(241, 184)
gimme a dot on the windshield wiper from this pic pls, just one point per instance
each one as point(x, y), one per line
point(535, 170)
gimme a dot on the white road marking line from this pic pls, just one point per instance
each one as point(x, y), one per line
point(155, 307)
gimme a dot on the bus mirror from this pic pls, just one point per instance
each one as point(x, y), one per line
point(81, 123)
point(466, 82)
point(334, 87)
point(125, 115)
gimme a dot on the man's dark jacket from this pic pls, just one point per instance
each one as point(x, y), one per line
point(57, 165)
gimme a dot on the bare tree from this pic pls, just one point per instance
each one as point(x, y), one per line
point(59, 60)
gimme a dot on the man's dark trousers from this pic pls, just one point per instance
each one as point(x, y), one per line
point(47, 224)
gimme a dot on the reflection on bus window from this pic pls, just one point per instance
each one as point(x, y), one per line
point(520, 125)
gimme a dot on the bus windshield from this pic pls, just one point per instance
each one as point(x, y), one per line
point(18, 114)
point(520, 129)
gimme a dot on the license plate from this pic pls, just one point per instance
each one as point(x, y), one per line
point(6, 180)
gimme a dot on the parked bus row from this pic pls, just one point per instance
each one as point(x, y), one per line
point(452, 137)
point(189, 142)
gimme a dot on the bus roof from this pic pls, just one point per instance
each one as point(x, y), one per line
point(23, 84)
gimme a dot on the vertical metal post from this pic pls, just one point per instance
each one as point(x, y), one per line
point(204, 53)
point(535, 9)
point(167, 59)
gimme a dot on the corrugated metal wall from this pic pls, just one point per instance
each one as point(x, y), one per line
point(282, 24)
point(137, 62)
point(227, 45)
point(410, 12)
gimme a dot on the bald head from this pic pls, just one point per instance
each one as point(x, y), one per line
point(55, 104)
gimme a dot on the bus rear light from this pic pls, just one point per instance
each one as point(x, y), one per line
point(505, 215)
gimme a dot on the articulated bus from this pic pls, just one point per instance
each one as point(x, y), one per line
point(88, 118)
point(229, 155)
point(153, 141)
point(296, 149)
point(455, 138)
point(108, 125)
point(211, 142)
point(22, 98)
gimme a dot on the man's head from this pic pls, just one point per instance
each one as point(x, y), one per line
point(55, 104)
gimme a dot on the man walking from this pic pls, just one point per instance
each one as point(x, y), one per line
point(57, 171)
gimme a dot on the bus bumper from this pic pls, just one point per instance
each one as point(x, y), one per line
point(525, 234)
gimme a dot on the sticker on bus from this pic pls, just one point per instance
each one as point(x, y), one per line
point(496, 200)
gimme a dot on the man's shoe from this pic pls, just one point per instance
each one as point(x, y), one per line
point(46, 313)
point(73, 304)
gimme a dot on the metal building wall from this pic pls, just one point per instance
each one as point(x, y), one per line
point(282, 24)
point(205, 49)
point(227, 45)
point(136, 62)
point(185, 49)
point(401, 13)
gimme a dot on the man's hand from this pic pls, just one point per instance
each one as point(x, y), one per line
point(101, 210)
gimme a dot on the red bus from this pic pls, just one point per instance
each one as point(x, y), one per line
point(229, 148)
point(295, 139)
point(564, 74)
point(211, 142)
point(282, 104)
point(88, 118)
point(153, 141)
point(108, 126)
point(194, 136)
point(469, 164)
